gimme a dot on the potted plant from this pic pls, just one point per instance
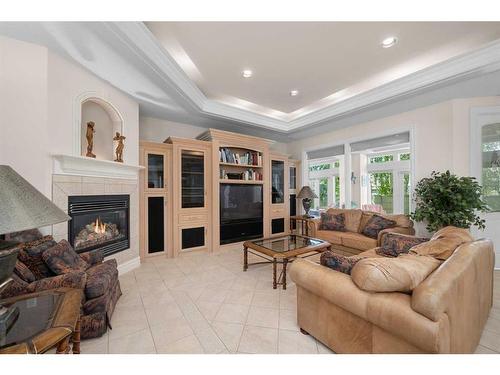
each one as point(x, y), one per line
point(446, 199)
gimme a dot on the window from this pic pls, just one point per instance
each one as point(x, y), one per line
point(382, 189)
point(325, 181)
point(490, 146)
point(389, 181)
point(381, 158)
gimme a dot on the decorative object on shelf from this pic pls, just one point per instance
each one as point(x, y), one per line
point(307, 195)
point(119, 148)
point(445, 199)
point(23, 207)
point(90, 139)
point(353, 178)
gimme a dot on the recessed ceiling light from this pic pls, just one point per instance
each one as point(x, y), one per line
point(247, 73)
point(294, 92)
point(389, 42)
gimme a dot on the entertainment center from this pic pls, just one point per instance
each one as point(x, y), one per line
point(212, 192)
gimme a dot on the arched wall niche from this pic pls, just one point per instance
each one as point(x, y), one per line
point(107, 119)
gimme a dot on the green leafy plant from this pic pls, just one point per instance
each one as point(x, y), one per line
point(446, 199)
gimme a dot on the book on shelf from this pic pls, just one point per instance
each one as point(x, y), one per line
point(246, 158)
point(248, 175)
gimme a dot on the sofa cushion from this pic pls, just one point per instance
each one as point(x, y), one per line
point(357, 241)
point(352, 217)
point(24, 272)
point(372, 253)
point(401, 274)
point(337, 262)
point(31, 256)
point(394, 244)
point(61, 259)
point(331, 236)
point(443, 243)
point(100, 278)
point(334, 222)
point(376, 224)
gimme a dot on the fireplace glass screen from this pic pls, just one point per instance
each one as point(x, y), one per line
point(99, 222)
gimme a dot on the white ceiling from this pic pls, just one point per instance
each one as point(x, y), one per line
point(325, 61)
point(131, 58)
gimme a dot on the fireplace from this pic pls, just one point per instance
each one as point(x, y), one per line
point(99, 222)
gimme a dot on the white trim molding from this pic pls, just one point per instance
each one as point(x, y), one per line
point(128, 266)
point(84, 166)
point(143, 43)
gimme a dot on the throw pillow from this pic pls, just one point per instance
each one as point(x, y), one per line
point(31, 256)
point(24, 272)
point(337, 262)
point(376, 224)
point(401, 274)
point(61, 259)
point(394, 244)
point(332, 222)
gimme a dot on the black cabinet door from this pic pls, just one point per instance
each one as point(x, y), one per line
point(192, 179)
point(156, 224)
point(277, 181)
point(193, 237)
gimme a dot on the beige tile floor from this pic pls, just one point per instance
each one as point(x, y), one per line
point(202, 303)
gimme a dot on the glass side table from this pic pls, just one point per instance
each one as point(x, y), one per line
point(46, 320)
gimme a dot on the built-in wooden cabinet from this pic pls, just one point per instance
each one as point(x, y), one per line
point(279, 192)
point(192, 187)
point(294, 187)
point(184, 181)
point(155, 199)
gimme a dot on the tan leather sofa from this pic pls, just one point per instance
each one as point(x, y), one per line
point(445, 313)
point(352, 241)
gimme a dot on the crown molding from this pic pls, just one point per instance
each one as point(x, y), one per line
point(144, 44)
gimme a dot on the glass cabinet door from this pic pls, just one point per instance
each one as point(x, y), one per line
point(293, 178)
point(193, 179)
point(277, 181)
point(156, 171)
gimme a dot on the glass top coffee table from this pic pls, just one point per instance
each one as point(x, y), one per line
point(282, 249)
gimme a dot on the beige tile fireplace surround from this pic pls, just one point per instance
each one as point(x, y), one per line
point(64, 186)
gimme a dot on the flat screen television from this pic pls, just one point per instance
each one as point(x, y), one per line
point(240, 203)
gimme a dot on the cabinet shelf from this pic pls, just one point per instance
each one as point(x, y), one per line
point(240, 165)
point(246, 182)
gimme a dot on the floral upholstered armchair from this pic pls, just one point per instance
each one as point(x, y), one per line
point(44, 264)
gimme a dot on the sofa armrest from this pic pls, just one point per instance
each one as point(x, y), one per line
point(401, 230)
point(313, 226)
point(76, 280)
point(93, 257)
point(331, 285)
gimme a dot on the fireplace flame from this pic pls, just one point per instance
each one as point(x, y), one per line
point(100, 226)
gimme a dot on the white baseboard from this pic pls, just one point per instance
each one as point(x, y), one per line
point(129, 265)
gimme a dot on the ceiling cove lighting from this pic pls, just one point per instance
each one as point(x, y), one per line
point(294, 92)
point(389, 42)
point(247, 73)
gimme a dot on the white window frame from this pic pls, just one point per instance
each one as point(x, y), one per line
point(397, 168)
point(330, 174)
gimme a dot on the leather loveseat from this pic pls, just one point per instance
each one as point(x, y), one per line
point(352, 241)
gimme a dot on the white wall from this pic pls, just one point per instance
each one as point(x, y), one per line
point(157, 130)
point(24, 132)
point(103, 128)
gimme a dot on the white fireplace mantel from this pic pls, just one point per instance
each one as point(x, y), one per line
point(84, 166)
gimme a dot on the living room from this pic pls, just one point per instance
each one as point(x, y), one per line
point(176, 186)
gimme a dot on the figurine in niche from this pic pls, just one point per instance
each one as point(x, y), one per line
point(90, 139)
point(119, 148)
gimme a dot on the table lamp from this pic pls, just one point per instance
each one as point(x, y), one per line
point(307, 195)
point(21, 207)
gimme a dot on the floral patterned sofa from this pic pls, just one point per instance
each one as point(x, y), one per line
point(44, 264)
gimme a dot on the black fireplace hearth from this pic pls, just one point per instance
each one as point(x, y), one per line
point(99, 222)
